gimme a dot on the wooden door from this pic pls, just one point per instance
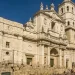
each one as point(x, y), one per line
point(51, 62)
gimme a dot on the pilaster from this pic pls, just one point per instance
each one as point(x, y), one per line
point(70, 61)
point(24, 58)
point(60, 57)
point(63, 62)
point(49, 56)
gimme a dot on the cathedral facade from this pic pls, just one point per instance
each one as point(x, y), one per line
point(47, 39)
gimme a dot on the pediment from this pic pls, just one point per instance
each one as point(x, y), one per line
point(51, 14)
point(55, 15)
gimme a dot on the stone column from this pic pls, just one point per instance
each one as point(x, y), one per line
point(60, 58)
point(63, 62)
point(38, 56)
point(70, 60)
point(74, 56)
point(49, 56)
point(1, 46)
point(65, 58)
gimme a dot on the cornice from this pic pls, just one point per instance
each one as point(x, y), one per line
point(10, 33)
point(43, 38)
point(29, 38)
point(49, 33)
point(19, 35)
point(43, 12)
point(62, 47)
point(69, 27)
point(53, 41)
point(13, 24)
point(57, 55)
point(69, 18)
point(43, 42)
point(70, 48)
point(34, 32)
point(67, 12)
point(28, 54)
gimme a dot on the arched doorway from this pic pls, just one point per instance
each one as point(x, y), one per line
point(53, 58)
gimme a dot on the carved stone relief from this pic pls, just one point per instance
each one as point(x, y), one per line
point(29, 48)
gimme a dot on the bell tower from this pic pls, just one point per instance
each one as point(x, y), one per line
point(67, 10)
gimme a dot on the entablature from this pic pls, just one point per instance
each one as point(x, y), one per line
point(38, 37)
point(49, 38)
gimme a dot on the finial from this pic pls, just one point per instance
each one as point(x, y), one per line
point(47, 7)
point(52, 6)
point(41, 6)
point(30, 19)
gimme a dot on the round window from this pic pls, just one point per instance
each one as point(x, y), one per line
point(7, 53)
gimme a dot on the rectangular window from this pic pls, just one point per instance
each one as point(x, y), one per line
point(29, 61)
point(7, 44)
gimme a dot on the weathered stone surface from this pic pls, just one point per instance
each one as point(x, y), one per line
point(46, 42)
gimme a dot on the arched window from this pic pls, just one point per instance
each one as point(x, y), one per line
point(53, 26)
point(54, 55)
point(72, 9)
point(68, 23)
point(7, 53)
point(54, 51)
point(67, 8)
point(73, 23)
point(62, 10)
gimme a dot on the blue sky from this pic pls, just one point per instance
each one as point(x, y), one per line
point(22, 10)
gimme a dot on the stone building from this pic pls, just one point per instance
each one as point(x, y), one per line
point(47, 39)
